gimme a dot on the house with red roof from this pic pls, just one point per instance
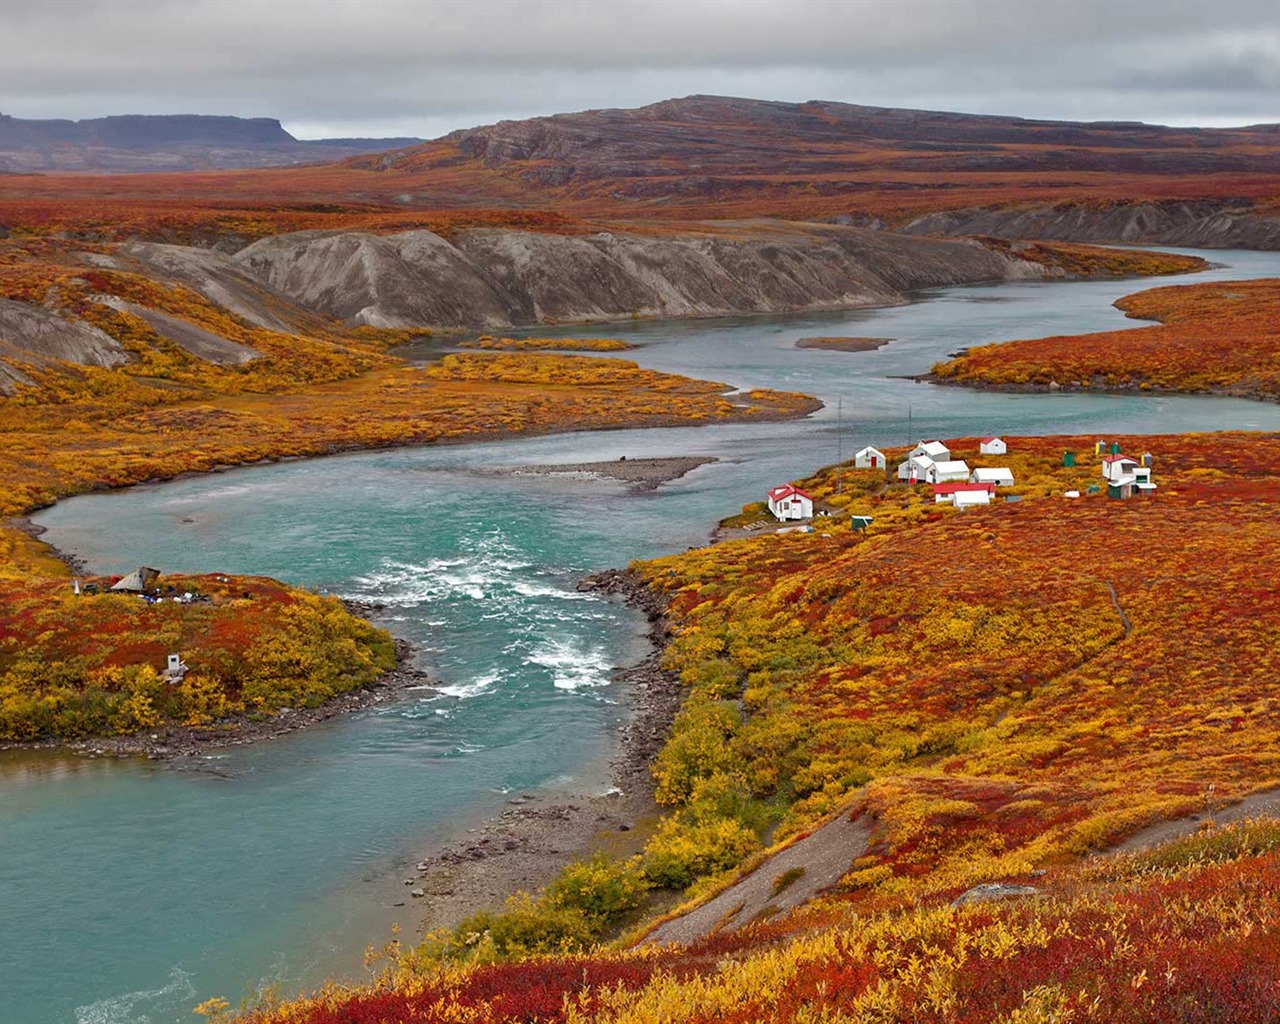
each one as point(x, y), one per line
point(993, 446)
point(788, 502)
point(962, 494)
point(1116, 466)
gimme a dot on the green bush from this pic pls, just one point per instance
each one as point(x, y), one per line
point(604, 890)
point(681, 852)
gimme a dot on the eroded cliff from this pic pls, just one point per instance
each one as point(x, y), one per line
point(496, 278)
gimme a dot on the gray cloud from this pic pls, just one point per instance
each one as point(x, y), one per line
point(386, 67)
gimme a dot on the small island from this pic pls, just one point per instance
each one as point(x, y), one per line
point(843, 344)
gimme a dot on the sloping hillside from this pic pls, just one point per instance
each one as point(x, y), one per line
point(681, 161)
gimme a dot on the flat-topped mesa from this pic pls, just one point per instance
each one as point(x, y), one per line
point(141, 142)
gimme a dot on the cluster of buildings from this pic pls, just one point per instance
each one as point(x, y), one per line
point(930, 462)
point(953, 482)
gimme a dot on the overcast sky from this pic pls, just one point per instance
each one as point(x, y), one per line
point(379, 67)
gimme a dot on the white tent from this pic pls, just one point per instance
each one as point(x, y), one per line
point(137, 581)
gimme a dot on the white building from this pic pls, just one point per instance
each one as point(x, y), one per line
point(869, 458)
point(1001, 477)
point(935, 450)
point(1116, 466)
point(963, 494)
point(993, 446)
point(915, 469)
point(948, 472)
point(789, 502)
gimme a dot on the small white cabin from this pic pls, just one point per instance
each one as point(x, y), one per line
point(963, 494)
point(788, 502)
point(1000, 476)
point(869, 458)
point(1116, 466)
point(993, 446)
point(935, 450)
point(915, 469)
point(949, 472)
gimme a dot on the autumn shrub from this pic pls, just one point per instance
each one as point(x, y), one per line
point(525, 927)
point(682, 851)
point(696, 749)
point(587, 899)
point(604, 890)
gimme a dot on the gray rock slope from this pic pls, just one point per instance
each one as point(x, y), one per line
point(33, 336)
point(1206, 224)
point(217, 277)
point(496, 278)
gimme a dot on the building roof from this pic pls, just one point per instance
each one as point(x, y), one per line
point(868, 448)
point(993, 473)
point(786, 491)
point(1119, 458)
point(955, 466)
point(952, 488)
point(988, 440)
point(933, 447)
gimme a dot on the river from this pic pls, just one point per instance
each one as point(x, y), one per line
point(129, 891)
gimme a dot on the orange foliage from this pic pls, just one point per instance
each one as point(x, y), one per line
point(1017, 683)
point(1213, 338)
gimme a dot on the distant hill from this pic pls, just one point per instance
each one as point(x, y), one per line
point(698, 137)
point(669, 167)
point(162, 142)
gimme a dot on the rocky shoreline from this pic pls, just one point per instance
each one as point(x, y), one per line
point(1132, 388)
point(525, 847)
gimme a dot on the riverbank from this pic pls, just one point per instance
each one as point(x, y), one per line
point(1100, 386)
point(529, 843)
point(1205, 339)
point(172, 740)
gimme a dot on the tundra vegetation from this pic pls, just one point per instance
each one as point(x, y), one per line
point(1002, 692)
point(76, 666)
point(1211, 338)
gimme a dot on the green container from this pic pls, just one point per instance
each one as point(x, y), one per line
point(1115, 447)
point(1068, 458)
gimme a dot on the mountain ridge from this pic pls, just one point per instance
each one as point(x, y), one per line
point(124, 143)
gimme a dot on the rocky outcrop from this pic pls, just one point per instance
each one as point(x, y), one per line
point(194, 340)
point(31, 335)
point(217, 277)
point(495, 278)
point(1206, 224)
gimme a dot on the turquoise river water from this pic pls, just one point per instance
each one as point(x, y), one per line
point(129, 890)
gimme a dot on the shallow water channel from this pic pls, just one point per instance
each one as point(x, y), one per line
point(129, 891)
